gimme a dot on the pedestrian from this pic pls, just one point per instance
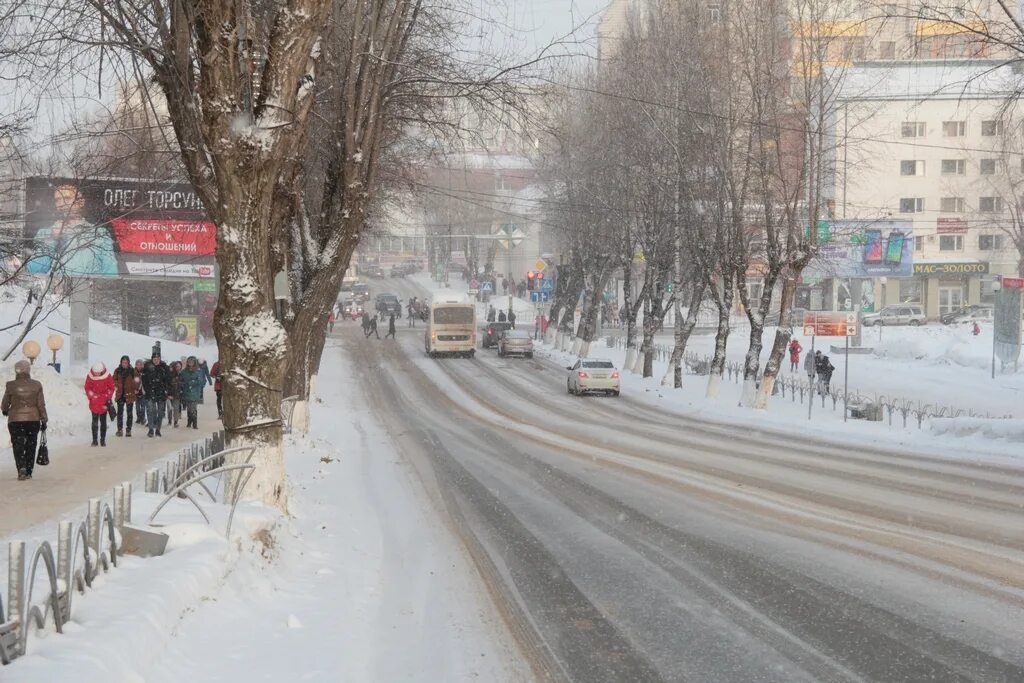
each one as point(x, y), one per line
point(25, 409)
point(976, 329)
point(391, 327)
point(826, 374)
point(372, 328)
point(126, 391)
point(204, 371)
point(156, 378)
point(141, 402)
point(491, 313)
point(810, 365)
point(366, 323)
point(174, 399)
point(794, 355)
point(191, 382)
point(331, 319)
point(512, 318)
point(536, 327)
point(504, 286)
point(410, 310)
point(218, 388)
point(501, 317)
point(543, 324)
point(99, 389)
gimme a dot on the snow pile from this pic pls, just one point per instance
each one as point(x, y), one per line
point(935, 344)
point(1011, 430)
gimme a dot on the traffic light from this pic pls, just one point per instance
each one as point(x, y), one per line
point(529, 280)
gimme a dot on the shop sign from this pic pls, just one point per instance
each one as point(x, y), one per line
point(951, 268)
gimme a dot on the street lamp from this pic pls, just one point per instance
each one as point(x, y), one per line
point(55, 343)
point(31, 350)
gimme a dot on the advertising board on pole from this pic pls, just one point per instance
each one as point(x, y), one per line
point(863, 249)
point(108, 228)
point(186, 329)
point(830, 324)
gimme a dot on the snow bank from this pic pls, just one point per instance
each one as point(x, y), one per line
point(933, 344)
point(1010, 430)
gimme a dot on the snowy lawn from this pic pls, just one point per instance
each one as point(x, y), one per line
point(362, 582)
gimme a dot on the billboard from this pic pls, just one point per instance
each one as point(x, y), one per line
point(863, 249)
point(186, 329)
point(113, 228)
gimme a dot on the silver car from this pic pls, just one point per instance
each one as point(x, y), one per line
point(515, 343)
point(592, 375)
point(897, 314)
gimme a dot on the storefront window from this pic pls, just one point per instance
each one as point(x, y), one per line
point(911, 291)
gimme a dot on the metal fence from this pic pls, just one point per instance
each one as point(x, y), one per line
point(94, 545)
point(871, 405)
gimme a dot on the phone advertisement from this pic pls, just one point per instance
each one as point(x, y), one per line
point(863, 249)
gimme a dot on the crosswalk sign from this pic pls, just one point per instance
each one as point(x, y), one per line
point(547, 285)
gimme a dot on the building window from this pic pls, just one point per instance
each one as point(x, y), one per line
point(500, 185)
point(911, 167)
point(853, 49)
point(910, 291)
point(988, 166)
point(951, 242)
point(887, 49)
point(990, 204)
point(954, 129)
point(991, 128)
point(990, 242)
point(954, 166)
point(952, 205)
point(911, 204)
point(912, 129)
point(918, 243)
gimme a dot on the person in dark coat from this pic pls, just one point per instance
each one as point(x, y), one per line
point(491, 314)
point(391, 327)
point(126, 391)
point(174, 399)
point(140, 393)
point(156, 379)
point(25, 409)
point(501, 317)
point(371, 328)
point(218, 388)
point(825, 372)
point(512, 318)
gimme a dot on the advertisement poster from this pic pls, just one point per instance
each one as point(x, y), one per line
point(864, 249)
point(186, 329)
point(112, 228)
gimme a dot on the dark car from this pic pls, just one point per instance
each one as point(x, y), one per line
point(386, 304)
point(375, 272)
point(964, 312)
point(361, 291)
point(397, 271)
point(492, 333)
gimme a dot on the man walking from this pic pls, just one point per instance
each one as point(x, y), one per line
point(191, 382)
point(156, 379)
point(125, 393)
point(512, 318)
point(391, 327)
point(371, 328)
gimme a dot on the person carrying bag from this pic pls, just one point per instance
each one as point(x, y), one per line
point(25, 409)
point(43, 456)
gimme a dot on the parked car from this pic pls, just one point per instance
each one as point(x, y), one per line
point(591, 375)
point(897, 314)
point(976, 314)
point(386, 304)
point(515, 343)
point(796, 317)
point(492, 333)
point(954, 316)
point(397, 271)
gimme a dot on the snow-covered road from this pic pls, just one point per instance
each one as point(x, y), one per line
point(632, 544)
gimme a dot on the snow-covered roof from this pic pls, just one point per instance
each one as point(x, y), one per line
point(967, 79)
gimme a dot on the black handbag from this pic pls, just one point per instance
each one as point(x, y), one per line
point(43, 455)
point(111, 410)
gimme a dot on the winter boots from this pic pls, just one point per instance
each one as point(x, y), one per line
point(23, 475)
point(120, 433)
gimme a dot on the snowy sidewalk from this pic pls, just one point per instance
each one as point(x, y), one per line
point(77, 471)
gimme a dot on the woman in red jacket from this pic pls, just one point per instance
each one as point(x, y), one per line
point(99, 388)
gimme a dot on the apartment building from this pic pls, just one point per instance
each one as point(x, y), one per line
point(930, 143)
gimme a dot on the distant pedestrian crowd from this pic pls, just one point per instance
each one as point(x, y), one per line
point(141, 394)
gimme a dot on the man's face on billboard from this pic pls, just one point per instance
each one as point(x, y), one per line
point(68, 201)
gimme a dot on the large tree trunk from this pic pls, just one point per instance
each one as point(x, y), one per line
point(252, 342)
point(782, 336)
point(683, 330)
point(724, 304)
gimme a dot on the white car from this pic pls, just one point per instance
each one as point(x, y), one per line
point(590, 375)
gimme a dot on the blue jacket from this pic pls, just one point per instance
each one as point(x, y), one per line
point(191, 384)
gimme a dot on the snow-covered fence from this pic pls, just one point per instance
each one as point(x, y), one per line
point(84, 550)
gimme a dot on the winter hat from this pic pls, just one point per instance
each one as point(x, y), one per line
point(22, 367)
point(99, 369)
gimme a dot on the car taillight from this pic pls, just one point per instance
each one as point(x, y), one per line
point(490, 332)
point(581, 373)
point(615, 375)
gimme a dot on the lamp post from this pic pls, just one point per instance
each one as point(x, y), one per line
point(31, 350)
point(55, 343)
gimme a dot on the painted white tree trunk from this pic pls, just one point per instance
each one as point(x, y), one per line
point(749, 392)
point(576, 346)
point(669, 378)
point(312, 386)
point(630, 359)
point(300, 417)
point(549, 336)
point(714, 386)
point(267, 484)
point(638, 364)
point(584, 351)
point(764, 393)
